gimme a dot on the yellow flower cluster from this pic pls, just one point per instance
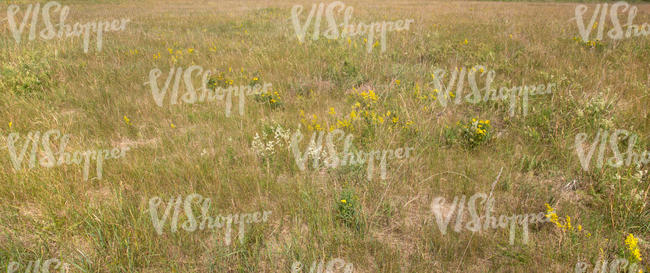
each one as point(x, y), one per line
point(481, 126)
point(364, 108)
point(369, 97)
point(423, 96)
point(311, 124)
point(272, 97)
point(588, 43)
point(552, 216)
point(632, 246)
point(176, 55)
point(127, 120)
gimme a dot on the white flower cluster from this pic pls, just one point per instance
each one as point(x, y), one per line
point(265, 147)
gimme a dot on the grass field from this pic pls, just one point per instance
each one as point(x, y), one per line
point(104, 100)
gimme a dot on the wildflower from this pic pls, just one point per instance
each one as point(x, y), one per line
point(397, 82)
point(10, 123)
point(190, 50)
point(344, 201)
point(632, 245)
point(395, 119)
point(466, 41)
point(127, 120)
point(331, 111)
point(353, 115)
point(255, 78)
point(172, 125)
point(510, 36)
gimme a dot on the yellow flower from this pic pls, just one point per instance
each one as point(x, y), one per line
point(127, 120)
point(510, 36)
point(397, 82)
point(395, 119)
point(229, 69)
point(466, 41)
point(344, 201)
point(190, 50)
point(255, 78)
point(331, 111)
point(353, 115)
point(172, 125)
point(10, 123)
point(632, 245)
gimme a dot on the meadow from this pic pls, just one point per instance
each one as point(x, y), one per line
point(238, 148)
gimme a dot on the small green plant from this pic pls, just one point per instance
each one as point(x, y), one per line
point(272, 98)
point(348, 210)
point(219, 80)
point(475, 132)
point(597, 44)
